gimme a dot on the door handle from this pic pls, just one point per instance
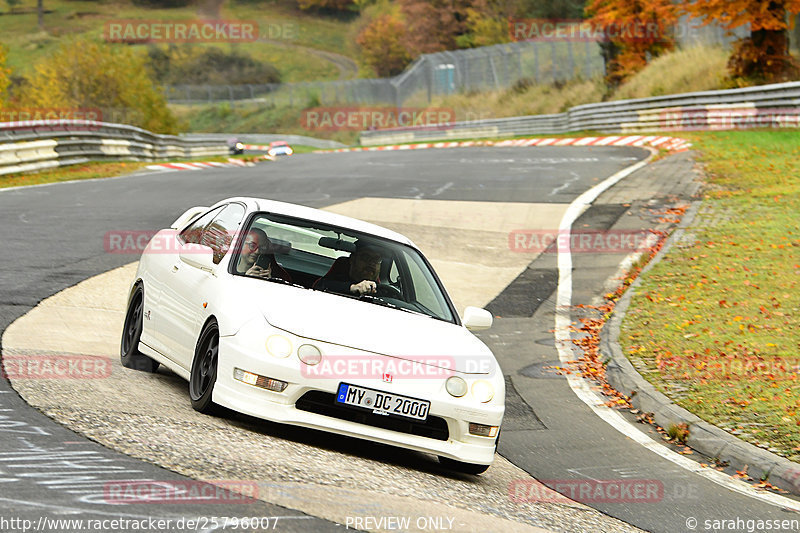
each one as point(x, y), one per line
point(176, 267)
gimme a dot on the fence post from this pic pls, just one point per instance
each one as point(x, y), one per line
point(429, 78)
point(493, 70)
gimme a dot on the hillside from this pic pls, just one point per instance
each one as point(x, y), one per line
point(293, 40)
point(693, 69)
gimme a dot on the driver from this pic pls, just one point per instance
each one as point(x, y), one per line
point(256, 243)
point(357, 274)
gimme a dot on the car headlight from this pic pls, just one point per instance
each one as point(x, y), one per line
point(482, 391)
point(309, 354)
point(456, 386)
point(279, 346)
point(239, 146)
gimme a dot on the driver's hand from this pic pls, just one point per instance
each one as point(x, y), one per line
point(259, 272)
point(364, 287)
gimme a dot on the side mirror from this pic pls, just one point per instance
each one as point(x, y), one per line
point(198, 255)
point(476, 318)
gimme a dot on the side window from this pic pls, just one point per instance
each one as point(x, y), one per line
point(219, 234)
point(423, 288)
point(193, 233)
point(394, 274)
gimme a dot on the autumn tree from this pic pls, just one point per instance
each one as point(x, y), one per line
point(487, 22)
point(5, 75)
point(764, 54)
point(381, 45)
point(415, 27)
point(85, 74)
point(634, 31)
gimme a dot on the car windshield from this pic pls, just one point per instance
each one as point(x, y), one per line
point(323, 257)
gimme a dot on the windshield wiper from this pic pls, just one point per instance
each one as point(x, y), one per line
point(376, 300)
point(380, 301)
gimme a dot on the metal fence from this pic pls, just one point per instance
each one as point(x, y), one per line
point(477, 69)
point(766, 106)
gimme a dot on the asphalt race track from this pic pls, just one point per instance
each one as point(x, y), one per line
point(54, 238)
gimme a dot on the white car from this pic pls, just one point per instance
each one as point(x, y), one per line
point(281, 330)
point(279, 148)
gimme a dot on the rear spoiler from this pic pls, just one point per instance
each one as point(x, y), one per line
point(187, 216)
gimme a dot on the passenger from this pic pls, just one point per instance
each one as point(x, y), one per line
point(357, 274)
point(257, 244)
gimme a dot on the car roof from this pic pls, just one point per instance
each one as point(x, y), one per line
point(326, 217)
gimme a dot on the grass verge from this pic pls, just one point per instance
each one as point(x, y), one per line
point(91, 170)
point(716, 324)
point(104, 169)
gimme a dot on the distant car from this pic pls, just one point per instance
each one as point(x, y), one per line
point(279, 148)
point(398, 367)
point(235, 146)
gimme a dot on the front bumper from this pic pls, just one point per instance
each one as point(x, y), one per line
point(453, 441)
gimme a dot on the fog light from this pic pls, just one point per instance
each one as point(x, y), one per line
point(279, 346)
point(261, 382)
point(483, 391)
point(247, 377)
point(456, 386)
point(309, 354)
point(482, 430)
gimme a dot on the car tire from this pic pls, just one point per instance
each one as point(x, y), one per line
point(462, 467)
point(129, 353)
point(204, 370)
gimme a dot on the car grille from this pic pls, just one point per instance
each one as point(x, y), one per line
point(324, 403)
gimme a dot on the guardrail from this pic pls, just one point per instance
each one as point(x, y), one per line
point(41, 144)
point(766, 106)
point(266, 138)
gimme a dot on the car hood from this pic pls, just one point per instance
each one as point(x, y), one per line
point(372, 328)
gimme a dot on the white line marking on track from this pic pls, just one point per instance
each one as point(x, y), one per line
point(582, 388)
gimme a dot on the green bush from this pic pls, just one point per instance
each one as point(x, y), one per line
point(85, 74)
point(209, 66)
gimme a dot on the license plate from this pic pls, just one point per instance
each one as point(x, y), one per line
point(383, 403)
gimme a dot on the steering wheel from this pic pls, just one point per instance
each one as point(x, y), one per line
point(390, 291)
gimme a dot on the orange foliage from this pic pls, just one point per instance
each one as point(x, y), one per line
point(5, 74)
point(635, 31)
point(382, 47)
point(765, 53)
